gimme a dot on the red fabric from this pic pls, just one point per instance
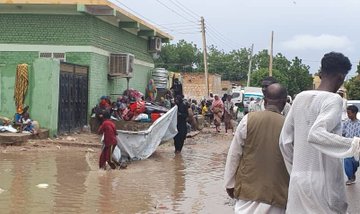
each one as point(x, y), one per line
point(106, 155)
point(133, 107)
point(108, 129)
point(104, 104)
point(140, 107)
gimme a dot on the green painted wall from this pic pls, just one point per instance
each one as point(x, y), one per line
point(70, 30)
point(8, 64)
point(100, 84)
point(74, 30)
point(43, 90)
point(44, 99)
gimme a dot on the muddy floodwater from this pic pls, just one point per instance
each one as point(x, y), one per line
point(68, 181)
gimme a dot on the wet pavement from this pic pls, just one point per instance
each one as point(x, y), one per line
point(165, 183)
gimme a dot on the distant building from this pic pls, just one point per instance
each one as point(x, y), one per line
point(194, 85)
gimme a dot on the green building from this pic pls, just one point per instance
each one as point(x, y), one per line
point(77, 51)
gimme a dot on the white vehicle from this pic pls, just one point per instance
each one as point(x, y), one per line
point(252, 92)
point(237, 95)
point(355, 103)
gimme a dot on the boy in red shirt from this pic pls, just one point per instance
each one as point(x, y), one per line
point(108, 129)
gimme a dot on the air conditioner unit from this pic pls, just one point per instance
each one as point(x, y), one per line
point(121, 65)
point(155, 44)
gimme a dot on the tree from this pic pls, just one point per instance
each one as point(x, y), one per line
point(353, 86)
point(182, 56)
point(239, 64)
point(258, 75)
point(233, 65)
point(299, 77)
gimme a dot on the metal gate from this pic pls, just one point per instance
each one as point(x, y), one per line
point(73, 97)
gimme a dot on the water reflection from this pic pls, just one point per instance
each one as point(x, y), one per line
point(165, 183)
point(71, 173)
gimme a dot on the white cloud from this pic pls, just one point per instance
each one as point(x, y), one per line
point(321, 42)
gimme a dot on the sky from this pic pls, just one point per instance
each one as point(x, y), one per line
point(304, 28)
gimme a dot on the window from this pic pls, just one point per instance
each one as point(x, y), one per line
point(59, 56)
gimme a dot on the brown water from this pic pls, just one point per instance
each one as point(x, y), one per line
point(165, 183)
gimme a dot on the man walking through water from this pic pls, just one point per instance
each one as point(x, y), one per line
point(312, 147)
point(255, 173)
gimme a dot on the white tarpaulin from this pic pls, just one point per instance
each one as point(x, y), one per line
point(142, 144)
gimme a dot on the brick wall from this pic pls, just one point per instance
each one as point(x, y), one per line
point(194, 85)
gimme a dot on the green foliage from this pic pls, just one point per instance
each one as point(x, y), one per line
point(258, 75)
point(182, 56)
point(299, 78)
point(234, 65)
point(353, 88)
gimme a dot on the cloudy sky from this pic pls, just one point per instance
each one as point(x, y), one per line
point(303, 28)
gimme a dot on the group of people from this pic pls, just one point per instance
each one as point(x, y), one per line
point(294, 164)
point(22, 120)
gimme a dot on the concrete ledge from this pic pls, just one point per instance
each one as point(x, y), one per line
point(11, 138)
point(20, 138)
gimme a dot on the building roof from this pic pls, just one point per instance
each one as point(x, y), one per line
point(102, 9)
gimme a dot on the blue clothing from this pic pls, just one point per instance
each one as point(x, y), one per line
point(351, 129)
point(351, 166)
point(18, 118)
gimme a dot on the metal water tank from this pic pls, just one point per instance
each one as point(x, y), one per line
point(160, 77)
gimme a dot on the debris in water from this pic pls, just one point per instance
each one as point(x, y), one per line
point(58, 147)
point(90, 150)
point(2, 190)
point(42, 186)
point(70, 138)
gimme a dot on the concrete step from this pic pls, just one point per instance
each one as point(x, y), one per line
point(19, 138)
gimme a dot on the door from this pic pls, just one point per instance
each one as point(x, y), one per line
point(73, 97)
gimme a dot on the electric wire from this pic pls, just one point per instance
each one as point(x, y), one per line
point(174, 11)
point(184, 9)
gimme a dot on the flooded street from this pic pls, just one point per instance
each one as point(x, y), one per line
point(165, 183)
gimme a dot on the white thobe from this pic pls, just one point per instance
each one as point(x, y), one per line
point(232, 164)
point(312, 150)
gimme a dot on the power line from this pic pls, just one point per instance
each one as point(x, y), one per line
point(178, 30)
point(188, 9)
point(222, 35)
point(217, 38)
point(212, 38)
point(174, 11)
point(181, 7)
point(177, 23)
point(182, 26)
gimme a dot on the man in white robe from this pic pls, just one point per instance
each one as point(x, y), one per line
point(255, 173)
point(312, 147)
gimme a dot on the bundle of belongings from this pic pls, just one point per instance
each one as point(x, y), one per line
point(130, 106)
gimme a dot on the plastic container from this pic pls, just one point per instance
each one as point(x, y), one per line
point(160, 77)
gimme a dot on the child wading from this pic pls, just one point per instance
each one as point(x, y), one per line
point(108, 129)
point(351, 128)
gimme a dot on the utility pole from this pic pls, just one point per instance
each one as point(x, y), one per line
point(271, 53)
point(205, 56)
point(250, 64)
